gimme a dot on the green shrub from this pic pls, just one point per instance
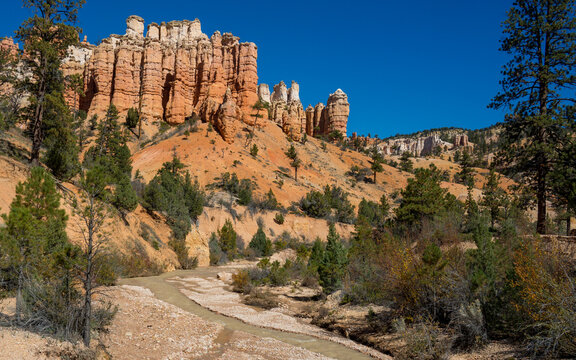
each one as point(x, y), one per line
point(175, 195)
point(132, 118)
point(182, 251)
point(315, 204)
point(241, 188)
point(279, 219)
point(320, 204)
point(254, 150)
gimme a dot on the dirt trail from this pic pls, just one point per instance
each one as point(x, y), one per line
point(168, 291)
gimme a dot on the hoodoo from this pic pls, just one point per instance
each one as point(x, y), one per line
point(174, 70)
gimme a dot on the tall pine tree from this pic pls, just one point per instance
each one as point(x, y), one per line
point(46, 37)
point(537, 85)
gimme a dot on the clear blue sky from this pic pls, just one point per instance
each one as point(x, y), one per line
point(405, 65)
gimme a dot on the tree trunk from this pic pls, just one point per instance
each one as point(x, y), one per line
point(296, 174)
point(88, 275)
point(568, 225)
point(87, 306)
point(541, 199)
point(37, 121)
point(19, 293)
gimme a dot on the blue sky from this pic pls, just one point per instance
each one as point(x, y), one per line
point(405, 65)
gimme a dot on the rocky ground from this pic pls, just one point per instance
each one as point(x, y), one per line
point(300, 311)
point(214, 294)
point(147, 328)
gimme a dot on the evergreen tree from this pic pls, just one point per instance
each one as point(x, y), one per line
point(295, 161)
point(270, 202)
point(466, 174)
point(227, 239)
point(132, 118)
point(377, 161)
point(406, 163)
point(125, 198)
point(254, 150)
point(537, 84)
point(315, 204)
point(373, 213)
point(333, 266)
point(493, 197)
point(46, 37)
point(34, 239)
point(93, 213)
point(177, 196)
point(260, 243)
point(422, 198)
point(110, 150)
point(316, 256)
point(61, 143)
point(111, 153)
point(384, 205)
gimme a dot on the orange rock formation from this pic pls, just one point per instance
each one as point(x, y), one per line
point(170, 73)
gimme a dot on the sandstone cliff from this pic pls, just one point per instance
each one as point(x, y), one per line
point(169, 73)
point(421, 146)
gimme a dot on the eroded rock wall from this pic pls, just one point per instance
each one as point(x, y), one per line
point(169, 73)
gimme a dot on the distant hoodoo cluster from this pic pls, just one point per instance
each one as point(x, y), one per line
point(174, 71)
point(288, 112)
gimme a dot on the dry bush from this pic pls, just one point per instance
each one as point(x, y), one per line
point(262, 299)
point(69, 352)
point(468, 322)
point(241, 282)
point(136, 263)
point(425, 341)
point(547, 299)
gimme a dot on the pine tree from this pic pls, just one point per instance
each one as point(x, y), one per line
point(46, 37)
point(493, 197)
point(296, 162)
point(406, 163)
point(254, 150)
point(34, 236)
point(176, 195)
point(466, 174)
point(316, 256)
point(537, 86)
point(61, 143)
point(92, 212)
point(377, 161)
point(260, 243)
point(112, 155)
point(422, 198)
point(125, 198)
point(333, 265)
point(227, 239)
point(373, 213)
point(132, 118)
